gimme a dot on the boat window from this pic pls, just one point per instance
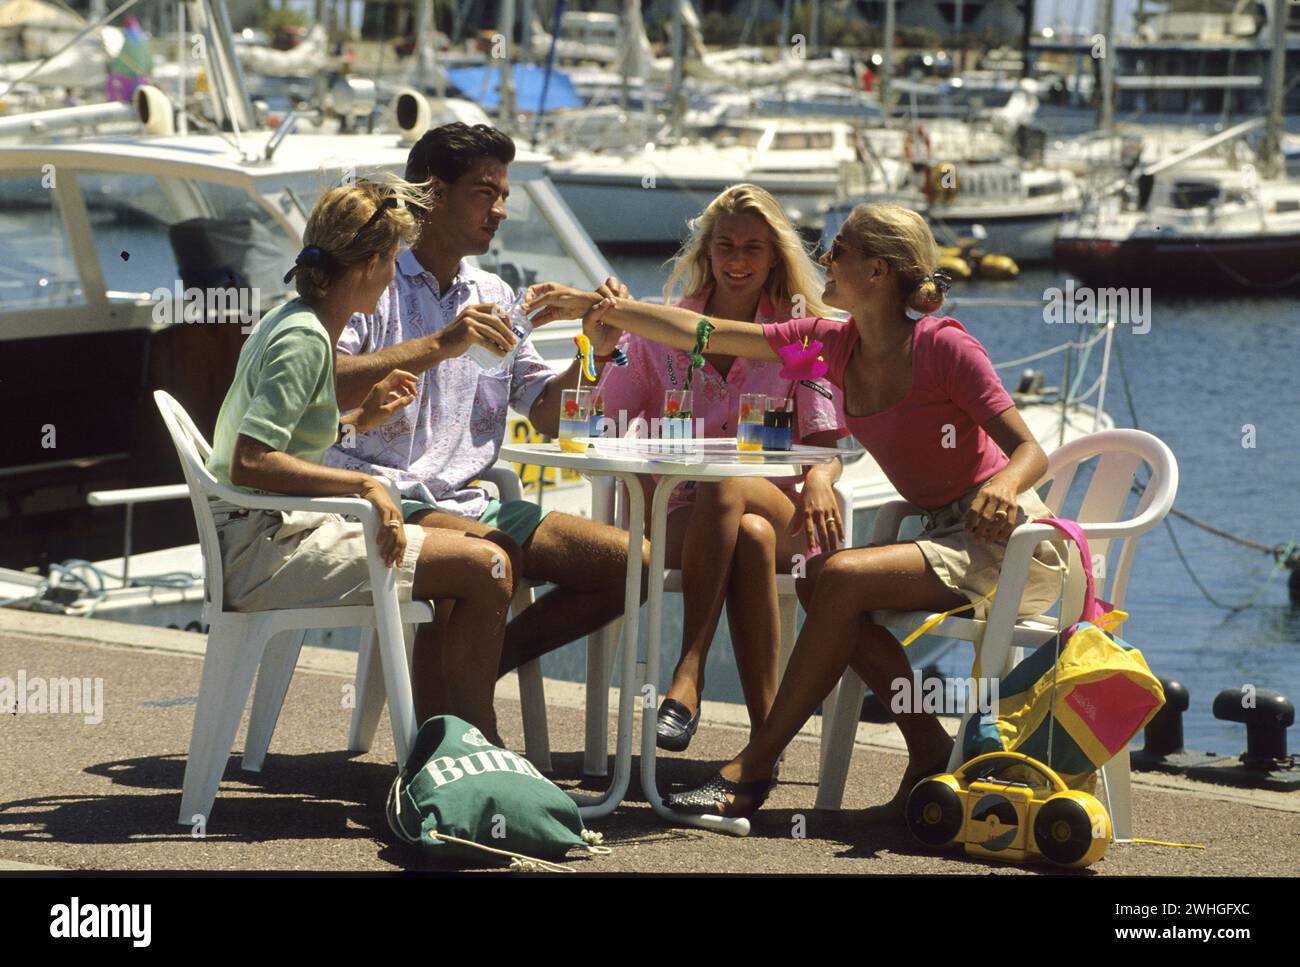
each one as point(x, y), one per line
point(526, 248)
point(129, 220)
point(744, 137)
point(1043, 188)
point(1193, 194)
point(37, 268)
point(259, 250)
point(1285, 205)
point(803, 141)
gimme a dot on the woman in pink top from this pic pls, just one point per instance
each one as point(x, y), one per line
point(923, 398)
point(743, 260)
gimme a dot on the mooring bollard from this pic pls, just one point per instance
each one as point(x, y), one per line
point(1265, 763)
point(1163, 749)
point(1266, 714)
point(1164, 733)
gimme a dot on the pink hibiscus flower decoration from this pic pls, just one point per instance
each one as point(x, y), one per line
point(802, 361)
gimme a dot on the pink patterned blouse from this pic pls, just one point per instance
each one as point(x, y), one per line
point(637, 391)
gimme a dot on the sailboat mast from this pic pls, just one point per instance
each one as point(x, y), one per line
point(1027, 33)
point(887, 68)
point(1270, 149)
point(1106, 111)
point(679, 67)
point(506, 26)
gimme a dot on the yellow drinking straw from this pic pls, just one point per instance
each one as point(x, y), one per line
point(587, 357)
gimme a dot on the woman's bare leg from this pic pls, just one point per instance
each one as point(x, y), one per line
point(708, 552)
point(765, 548)
point(848, 586)
point(455, 661)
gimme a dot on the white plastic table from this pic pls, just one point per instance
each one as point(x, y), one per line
point(680, 460)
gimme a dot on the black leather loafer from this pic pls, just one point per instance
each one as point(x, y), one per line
point(676, 726)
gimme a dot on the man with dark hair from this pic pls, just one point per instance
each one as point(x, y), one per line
point(437, 307)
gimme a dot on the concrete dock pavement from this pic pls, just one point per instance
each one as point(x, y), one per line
point(83, 795)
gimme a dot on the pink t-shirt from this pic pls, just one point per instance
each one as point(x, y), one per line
point(931, 445)
point(637, 390)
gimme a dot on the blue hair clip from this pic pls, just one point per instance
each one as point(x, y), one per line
point(942, 281)
point(313, 257)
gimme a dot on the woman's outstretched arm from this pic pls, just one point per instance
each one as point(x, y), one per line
point(662, 324)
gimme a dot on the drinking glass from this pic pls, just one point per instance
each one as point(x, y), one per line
point(778, 423)
point(597, 412)
point(749, 424)
point(575, 419)
point(676, 422)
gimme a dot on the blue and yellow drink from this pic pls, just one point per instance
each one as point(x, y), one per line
point(749, 423)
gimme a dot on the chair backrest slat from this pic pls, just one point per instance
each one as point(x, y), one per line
point(1122, 454)
point(193, 450)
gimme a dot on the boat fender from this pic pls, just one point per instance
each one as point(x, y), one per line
point(945, 182)
point(956, 266)
point(998, 267)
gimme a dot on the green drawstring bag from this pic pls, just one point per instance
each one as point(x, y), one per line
point(460, 796)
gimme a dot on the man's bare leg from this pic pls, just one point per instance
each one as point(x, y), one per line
point(455, 661)
point(587, 563)
point(586, 560)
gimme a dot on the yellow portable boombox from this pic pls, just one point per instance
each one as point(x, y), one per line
point(1007, 806)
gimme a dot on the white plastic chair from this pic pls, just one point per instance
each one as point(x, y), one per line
point(371, 685)
point(602, 646)
point(1121, 453)
point(267, 643)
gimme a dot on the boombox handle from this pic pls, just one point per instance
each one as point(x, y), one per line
point(985, 765)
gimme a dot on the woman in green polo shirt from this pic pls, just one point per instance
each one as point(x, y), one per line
point(280, 416)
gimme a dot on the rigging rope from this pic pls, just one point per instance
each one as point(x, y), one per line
point(1285, 555)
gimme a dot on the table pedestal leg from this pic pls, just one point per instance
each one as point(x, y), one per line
point(588, 807)
point(650, 704)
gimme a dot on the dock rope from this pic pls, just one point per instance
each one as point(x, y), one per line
point(91, 578)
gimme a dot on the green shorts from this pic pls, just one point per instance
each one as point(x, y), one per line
point(516, 518)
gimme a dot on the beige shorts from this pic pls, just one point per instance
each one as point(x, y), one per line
point(299, 559)
point(972, 570)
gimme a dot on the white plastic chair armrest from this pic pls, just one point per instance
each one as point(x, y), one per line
point(505, 480)
point(352, 506)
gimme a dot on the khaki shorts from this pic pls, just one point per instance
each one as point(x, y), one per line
point(972, 570)
point(299, 559)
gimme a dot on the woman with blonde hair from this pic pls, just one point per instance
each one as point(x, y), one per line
point(923, 398)
point(280, 416)
point(743, 260)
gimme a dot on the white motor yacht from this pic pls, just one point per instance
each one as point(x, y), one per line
point(646, 196)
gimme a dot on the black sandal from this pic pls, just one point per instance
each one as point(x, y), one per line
point(705, 800)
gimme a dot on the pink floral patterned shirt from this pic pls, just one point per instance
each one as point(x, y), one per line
point(453, 431)
point(637, 390)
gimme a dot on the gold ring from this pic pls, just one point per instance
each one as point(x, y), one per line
point(393, 523)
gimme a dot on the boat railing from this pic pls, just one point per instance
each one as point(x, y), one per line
point(128, 498)
point(1076, 356)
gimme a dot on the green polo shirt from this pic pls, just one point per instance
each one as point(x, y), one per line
point(283, 391)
